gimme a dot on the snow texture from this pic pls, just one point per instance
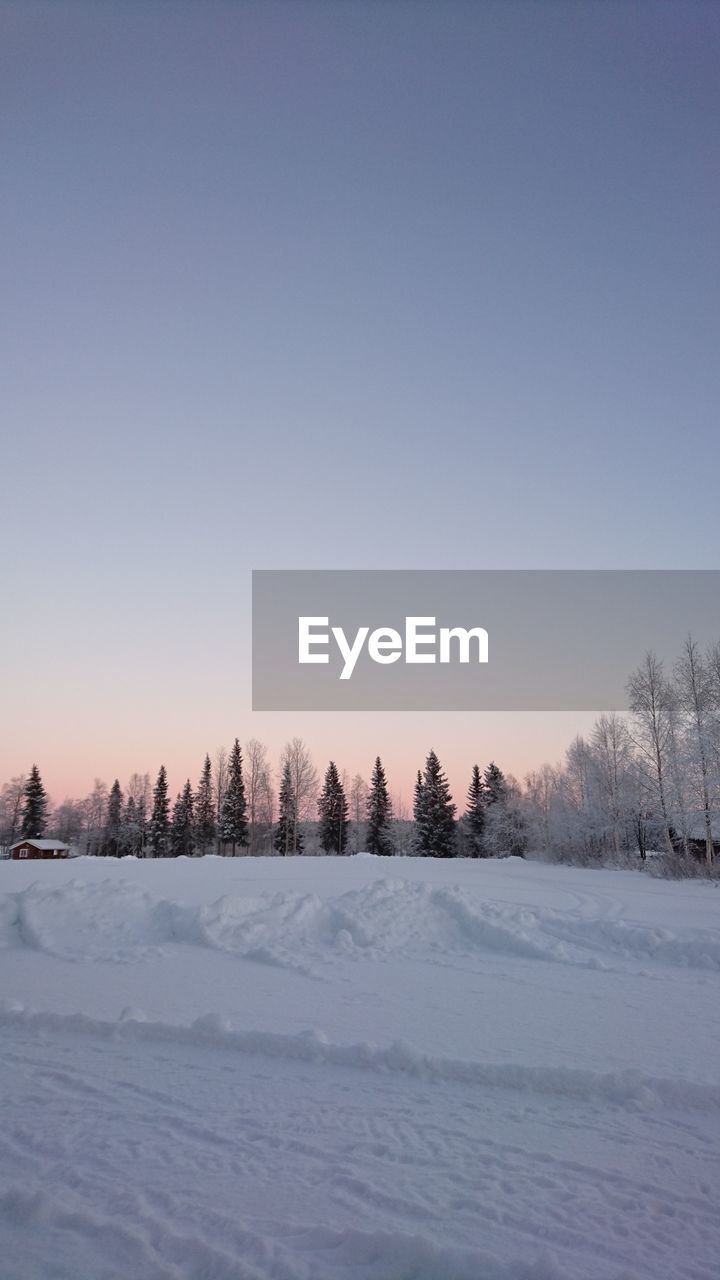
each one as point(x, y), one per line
point(357, 1069)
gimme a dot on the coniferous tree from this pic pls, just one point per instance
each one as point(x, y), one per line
point(131, 829)
point(182, 844)
point(303, 779)
point(233, 819)
point(379, 814)
point(474, 820)
point(160, 820)
point(333, 812)
point(286, 829)
point(35, 806)
point(419, 840)
point(435, 836)
point(205, 825)
point(112, 838)
point(494, 782)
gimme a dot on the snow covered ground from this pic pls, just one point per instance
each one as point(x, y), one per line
point(357, 1069)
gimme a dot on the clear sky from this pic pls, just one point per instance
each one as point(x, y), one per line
point(336, 285)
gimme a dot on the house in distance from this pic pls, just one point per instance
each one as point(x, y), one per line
point(32, 848)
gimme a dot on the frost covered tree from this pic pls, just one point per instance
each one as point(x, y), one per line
point(220, 781)
point(35, 806)
point(303, 781)
point(265, 812)
point(95, 807)
point(613, 768)
point(379, 837)
point(233, 827)
point(543, 789)
point(358, 805)
point(68, 821)
point(12, 801)
point(257, 774)
point(474, 817)
point(182, 841)
point(288, 838)
point(505, 833)
point(434, 812)
point(139, 791)
point(651, 706)
point(333, 812)
point(160, 819)
point(693, 681)
point(205, 823)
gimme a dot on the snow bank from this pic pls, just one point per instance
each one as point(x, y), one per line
point(159, 1251)
point(518, 1081)
point(628, 1088)
point(118, 920)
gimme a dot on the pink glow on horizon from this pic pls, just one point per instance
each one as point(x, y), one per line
point(518, 742)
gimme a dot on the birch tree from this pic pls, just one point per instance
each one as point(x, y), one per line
point(695, 692)
point(650, 705)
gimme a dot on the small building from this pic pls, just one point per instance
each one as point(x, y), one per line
point(32, 848)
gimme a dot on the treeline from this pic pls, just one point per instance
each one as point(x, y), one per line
point(643, 783)
point(234, 809)
point(647, 782)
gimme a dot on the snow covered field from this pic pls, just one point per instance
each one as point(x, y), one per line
point(357, 1069)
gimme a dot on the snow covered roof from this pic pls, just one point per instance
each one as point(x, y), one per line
point(40, 844)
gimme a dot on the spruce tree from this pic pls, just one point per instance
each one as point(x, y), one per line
point(436, 828)
point(474, 820)
point(131, 831)
point(233, 819)
point(112, 836)
point(419, 840)
point(35, 806)
point(286, 825)
point(160, 820)
point(379, 814)
point(495, 785)
point(205, 825)
point(333, 813)
point(182, 843)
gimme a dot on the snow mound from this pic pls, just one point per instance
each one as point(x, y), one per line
point(119, 921)
point(628, 1088)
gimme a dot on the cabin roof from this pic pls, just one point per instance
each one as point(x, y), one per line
point(40, 844)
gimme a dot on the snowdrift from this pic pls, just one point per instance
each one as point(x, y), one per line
point(116, 920)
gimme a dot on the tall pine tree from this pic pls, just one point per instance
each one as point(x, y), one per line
point(112, 836)
point(182, 844)
point(435, 812)
point(474, 819)
point(233, 819)
point(35, 806)
point(333, 813)
point(160, 820)
point(131, 834)
point(419, 839)
point(495, 785)
point(286, 828)
point(379, 814)
point(205, 825)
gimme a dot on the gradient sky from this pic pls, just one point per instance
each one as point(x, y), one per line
point(336, 285)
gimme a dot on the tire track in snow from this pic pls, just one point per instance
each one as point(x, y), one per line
point(293, 1179)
